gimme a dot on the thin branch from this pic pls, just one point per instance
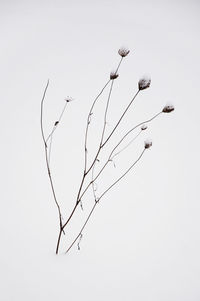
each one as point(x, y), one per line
point(110, 156)
point(85, 148)
point(107, 104)
point(106, 112)
point(46, 156)
point(120, 118)
point(62, 228)
point(93, 183)
point(50, 136)
point(92, 210)
point(89, 120)
point(126, 146)
point(86, 135)
point(50, 146)
point(41, 112)
point(122, 175)
point(80, 233)
point(57, 122)
point(108, 138)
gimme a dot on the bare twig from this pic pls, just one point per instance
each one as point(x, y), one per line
point(85, 172)
point(108, 138)
point(110, 156)
point(122, 175)
point(57, 122)
point(80, 233)
point(46, 157)
point(126, 146)
point(120, 119)
point(41, 112)
point(92, 210)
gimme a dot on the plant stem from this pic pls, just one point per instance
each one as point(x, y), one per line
point(92, 210)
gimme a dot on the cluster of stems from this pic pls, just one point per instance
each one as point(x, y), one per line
point(89, 169)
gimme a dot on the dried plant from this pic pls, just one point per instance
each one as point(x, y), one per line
point(89, 169)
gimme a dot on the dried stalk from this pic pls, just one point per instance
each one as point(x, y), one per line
point(46, 157)
point(92, 210)
point(116, 146)
point(142, 84)
point(86, 171)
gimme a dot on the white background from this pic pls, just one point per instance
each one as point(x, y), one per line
point(143, 242)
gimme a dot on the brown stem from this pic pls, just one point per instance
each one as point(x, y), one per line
point(86, 133)
point(80, 233)
point(46, 157)
point(58, 242)
point(62, 228)
point(92, 210)
point(120, 118)
point(110, 156)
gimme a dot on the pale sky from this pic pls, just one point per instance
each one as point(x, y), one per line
point(142, 243)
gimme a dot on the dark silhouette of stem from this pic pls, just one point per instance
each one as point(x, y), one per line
point(62, 228)
point(92, 210)
point(110, 156)
point(86, 133)
point(46, 157)
point(120, 118)
point(85, 172)
point(41, 112)
point(80, 233)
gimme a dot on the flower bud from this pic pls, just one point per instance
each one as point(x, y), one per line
point(147, 144)
point(168, 109)
point(123, 51)
point(144, 83)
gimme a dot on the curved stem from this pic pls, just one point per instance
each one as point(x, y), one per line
point(92, 210)
point(46, 157)
point(86, 133)
point(120, 118)
point(62, 228)
point(57, 123)
point(110, 156)
point(124, 174)
point(80, 233)
point(41, 112)
point(88, 122)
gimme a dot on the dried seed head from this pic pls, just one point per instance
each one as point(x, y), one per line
point(168, 109)
point(144, 83)
point(147, 144)
point(143, 127)
point(113, 75)
point(123, 51)
point(68, 99)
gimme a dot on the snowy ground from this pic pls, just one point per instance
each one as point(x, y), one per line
point(143, 241)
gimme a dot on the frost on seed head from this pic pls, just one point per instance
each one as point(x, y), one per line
point(147, 144)
point(123, 51)
point(168, 108)
point(113, 75)
point(143, 127)
point(68, 99)
point(144, 83)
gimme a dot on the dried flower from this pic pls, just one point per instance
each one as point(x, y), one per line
point(143, 127)
point(147, 144)
point(123, 51)
point(168, 109)
point(144, 83)
point(113, 75)
point(68, 99)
